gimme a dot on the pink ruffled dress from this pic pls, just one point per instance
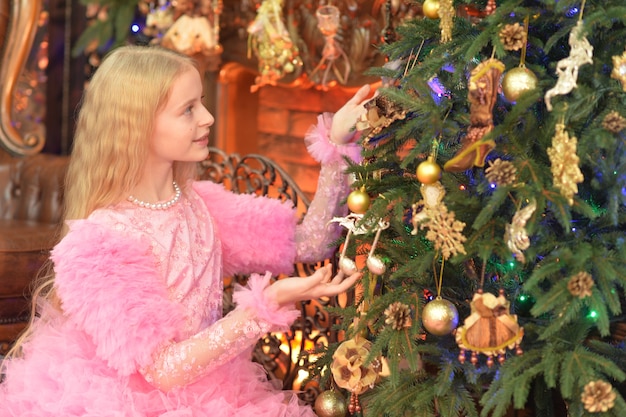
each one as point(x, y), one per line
point(142, 333)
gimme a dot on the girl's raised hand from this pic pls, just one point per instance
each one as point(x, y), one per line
point(320, 284)
point(344, 121)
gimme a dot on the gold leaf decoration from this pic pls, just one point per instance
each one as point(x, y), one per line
point(565, 171)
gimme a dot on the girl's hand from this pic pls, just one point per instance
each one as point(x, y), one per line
point(344, 121)
point(320, 284)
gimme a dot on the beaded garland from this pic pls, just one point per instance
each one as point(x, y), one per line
point(158, 206)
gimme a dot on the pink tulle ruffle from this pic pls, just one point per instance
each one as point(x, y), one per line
point(62, 376)
point(317, 140)
point(253, 297)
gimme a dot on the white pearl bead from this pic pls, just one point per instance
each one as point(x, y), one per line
point(158, 206)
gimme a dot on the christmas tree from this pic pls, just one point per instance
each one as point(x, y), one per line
point(488, 216)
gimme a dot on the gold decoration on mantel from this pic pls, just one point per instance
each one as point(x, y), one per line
point(196, 31)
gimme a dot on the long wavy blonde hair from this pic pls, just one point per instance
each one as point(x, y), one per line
point(111, 143)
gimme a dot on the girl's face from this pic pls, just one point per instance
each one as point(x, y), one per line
point(181, 131)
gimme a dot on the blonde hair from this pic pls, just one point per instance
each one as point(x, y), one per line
point(111, 142)
point(115, 124)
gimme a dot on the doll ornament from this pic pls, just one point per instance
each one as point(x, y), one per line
point(490, 329)
point(482, 95)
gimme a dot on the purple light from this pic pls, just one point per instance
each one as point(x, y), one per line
point(135, 28)
point(493, 185)
point(572, 12)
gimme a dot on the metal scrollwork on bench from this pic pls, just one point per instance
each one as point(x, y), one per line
point(286, 357)
point(252, 173)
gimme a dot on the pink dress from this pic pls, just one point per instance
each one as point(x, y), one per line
point(141, 293)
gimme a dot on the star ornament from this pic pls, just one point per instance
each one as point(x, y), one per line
point(619, 69)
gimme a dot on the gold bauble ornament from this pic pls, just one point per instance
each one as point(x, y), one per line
point(440, 317)
point(430, 8)
point(428, 172)
point(358, 201)
point(330, 404)
point(517, 81)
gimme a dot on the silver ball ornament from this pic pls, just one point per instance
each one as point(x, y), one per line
point(376, 265)
point(347, 266)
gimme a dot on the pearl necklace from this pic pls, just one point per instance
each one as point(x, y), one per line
point(158, 206)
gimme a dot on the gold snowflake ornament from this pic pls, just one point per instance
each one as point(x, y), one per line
point(445, 231)
point(565, 171)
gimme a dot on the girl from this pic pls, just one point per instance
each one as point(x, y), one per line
point(130, 322)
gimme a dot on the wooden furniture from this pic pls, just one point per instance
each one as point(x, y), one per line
point(30, 183)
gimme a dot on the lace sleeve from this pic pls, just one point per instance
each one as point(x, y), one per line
point(315, 235)
point(181, 363)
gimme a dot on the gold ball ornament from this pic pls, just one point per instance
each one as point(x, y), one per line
point(518, 81)
point(440, 317)
point(330, 404)
point(430, 8)
point(428, 171)
point(358, 201)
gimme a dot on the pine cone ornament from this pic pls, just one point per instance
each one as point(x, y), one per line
point(512, 37)
point(501, 172)
point(598, 396)
point(398, 315)
point(580, 285)
point(614, 122)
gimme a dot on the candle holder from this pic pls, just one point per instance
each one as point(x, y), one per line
point(328, 23)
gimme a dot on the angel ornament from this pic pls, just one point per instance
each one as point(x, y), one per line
point(352, 223)
point(567, 69)
point(515, 235)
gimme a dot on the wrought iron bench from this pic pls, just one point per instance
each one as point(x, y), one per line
point(285, 356)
